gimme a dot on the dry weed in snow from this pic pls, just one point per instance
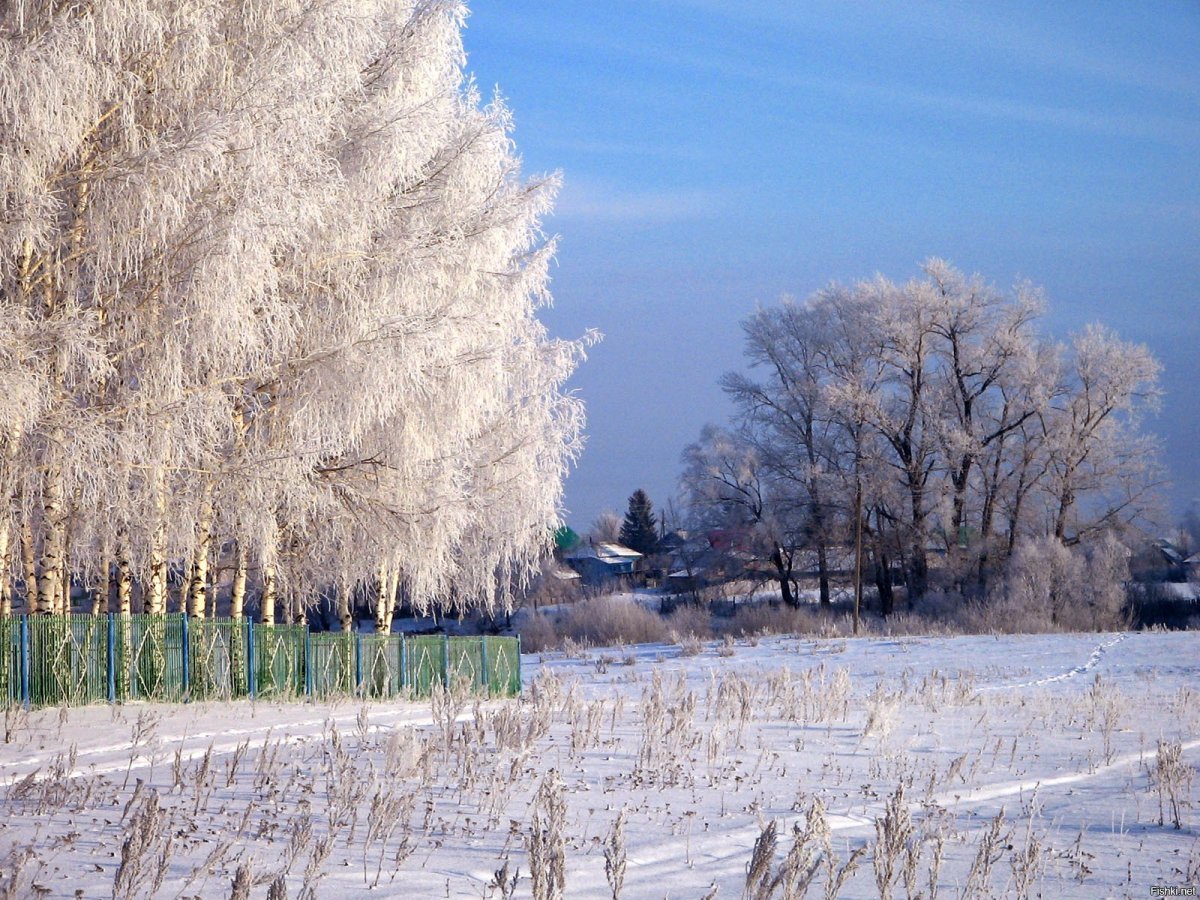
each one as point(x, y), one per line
point(948, 767)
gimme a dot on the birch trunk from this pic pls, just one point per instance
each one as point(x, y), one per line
point(197, 605)
point(270, 591)
point(393, 585)
point(124, 582)
point(214, 576)
point(156, 597)
point(237, 593)
point(383, 601)
point(5, 581)
point(101, 582)
point(269, 594)
point(30, 566)
point(50, 583)
point(344, 592)
point(64, 607)
point(99, 589)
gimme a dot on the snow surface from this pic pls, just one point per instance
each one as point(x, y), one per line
point(1061, 732)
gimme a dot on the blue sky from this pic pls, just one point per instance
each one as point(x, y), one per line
point(718, 155)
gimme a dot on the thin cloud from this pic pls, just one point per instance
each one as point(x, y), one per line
point(600, 203)
point(625, 148)
point(740, 67)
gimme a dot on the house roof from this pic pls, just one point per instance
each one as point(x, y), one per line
point(603, 551)
point(1170, 551)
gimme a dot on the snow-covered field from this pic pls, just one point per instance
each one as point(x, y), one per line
point(1052, 765)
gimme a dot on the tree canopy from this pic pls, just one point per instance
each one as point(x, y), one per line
point(269, 279)
point(936, 415)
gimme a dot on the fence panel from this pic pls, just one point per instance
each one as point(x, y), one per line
point(381, 665)
point(217, 658)
point(332, 663)
point(504, 666)
point(10, 660)
point(465, 662)
point(69, 660)
point(150, 657)
point(424, 664)
point(280, 659)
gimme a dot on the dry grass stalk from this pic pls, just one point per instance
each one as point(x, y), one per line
point(146, 850)
point(1028, 859)
point(504, 883)
point(614, 856)
point(992, 846)
point(893, 832)
point(243, 881)
point(547, 840)
point(758, 871)
point(1172, 779)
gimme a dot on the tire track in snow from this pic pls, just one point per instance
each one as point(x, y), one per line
point(288, 732)
point(1016, 788)
point(722, 855)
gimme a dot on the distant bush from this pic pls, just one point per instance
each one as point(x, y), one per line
point(538, 633)
point(1049, 587)
point(765, 618)
point(601, 621)
point(691, 621)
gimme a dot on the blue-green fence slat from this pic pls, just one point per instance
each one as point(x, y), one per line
point(79, 659)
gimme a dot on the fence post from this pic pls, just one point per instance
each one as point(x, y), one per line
point(358, 673)
point(25, 660)
point(308, 673)
point(485, 676)
point(403, 663)
point(112, 657)
point(186, 658)
point(518, 664)
point(251, 675)
point(445, 660)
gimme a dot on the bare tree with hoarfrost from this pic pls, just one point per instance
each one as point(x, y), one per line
point(606, 528)
point(727, 488)
point(269, 281)
point(784, 415)
point(1100, 472)
point(932, 416)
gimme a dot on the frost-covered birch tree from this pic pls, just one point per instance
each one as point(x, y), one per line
point(269, 278)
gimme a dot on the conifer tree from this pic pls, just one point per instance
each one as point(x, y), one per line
point(638, 529)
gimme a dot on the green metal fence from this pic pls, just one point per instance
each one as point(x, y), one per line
point(79, 659)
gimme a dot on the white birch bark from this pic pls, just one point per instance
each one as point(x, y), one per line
point(124, 577)
point(197, 605)
point(237, 591)
point(50, 580)
point(29, 566)
point(156, 582)
point(344, 599)
point(270, 594)
point(5, 580)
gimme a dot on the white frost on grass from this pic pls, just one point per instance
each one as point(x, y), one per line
point(1067, 735)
